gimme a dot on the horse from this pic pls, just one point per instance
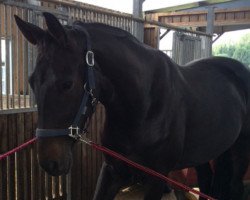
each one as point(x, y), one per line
point(159, 114)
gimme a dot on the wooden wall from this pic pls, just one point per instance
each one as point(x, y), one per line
point(151, 36)
point(21, 176)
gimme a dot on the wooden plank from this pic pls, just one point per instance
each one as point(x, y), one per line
point(63, 183)
point(185, 18)
point(84, 172)
point(21, 160)
point(239, 15)
point(31, 158)
point(194, 18)
point(75, 174)
point(199, 19)
point(11, 159)
point(229, 16)
point(3, 163)
point(42, 190)
point(176, 19)
point(49, 186)
point(99, 129)
point(93, 153)
point(56, 187)
point(202, 17)
point(247, 14)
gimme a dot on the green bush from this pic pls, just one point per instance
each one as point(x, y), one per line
point(239, 51)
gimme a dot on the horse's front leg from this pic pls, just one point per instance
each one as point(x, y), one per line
point(204, 175)
point(108, 184)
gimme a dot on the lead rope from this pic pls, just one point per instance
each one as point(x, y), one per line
point(141, 167)
point(119, 157)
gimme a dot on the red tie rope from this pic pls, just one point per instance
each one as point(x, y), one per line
point(5, 155)
point(147, 170)
point(122, 158)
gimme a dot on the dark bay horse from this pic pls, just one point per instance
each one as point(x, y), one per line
point(158, 114)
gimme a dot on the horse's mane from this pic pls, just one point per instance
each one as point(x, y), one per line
point(114, 31)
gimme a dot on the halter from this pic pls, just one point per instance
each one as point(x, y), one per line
point(89, 87)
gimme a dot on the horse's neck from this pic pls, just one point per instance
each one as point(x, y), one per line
point(122, 68)
point(141, 80)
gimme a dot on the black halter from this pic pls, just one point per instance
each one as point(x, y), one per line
point(89, 87)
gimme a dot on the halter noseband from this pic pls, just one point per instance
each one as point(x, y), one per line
point(74, 130)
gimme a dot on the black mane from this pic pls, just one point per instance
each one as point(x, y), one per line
point(117, 32)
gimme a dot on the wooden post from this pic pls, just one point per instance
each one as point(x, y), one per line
point(210, 20)
point(137, 8)
point(209, 30)
point(137, 12)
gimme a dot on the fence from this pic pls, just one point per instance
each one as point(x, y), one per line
point(20, 174)
point(188, 47)
point(17, 56)
point(183, 45)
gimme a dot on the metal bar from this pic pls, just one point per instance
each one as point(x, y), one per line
point(152, 22)
point(217, 37)
point(12, 59)
point(34, 7)
point(93, 9)
point(25, 49)
point(18, 110)
point(33, 19)
point(165, 33)
point(17, 64)
point(7, 66)
point(1, 63)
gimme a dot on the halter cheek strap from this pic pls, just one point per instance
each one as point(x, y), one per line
point(74, 130)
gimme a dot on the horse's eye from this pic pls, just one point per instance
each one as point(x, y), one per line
point(67, 85)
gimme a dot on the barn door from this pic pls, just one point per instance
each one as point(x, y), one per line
point(186, 48)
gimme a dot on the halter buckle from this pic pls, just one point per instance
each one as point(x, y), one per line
point(74, 132)
point(90, 59)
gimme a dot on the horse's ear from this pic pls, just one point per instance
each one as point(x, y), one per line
point(30, 31)
point(55, 28)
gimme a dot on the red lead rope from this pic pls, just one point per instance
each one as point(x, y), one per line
point(147, 170)
point(5, 155)
point(122, 158)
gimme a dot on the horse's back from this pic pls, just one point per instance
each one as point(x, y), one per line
point(219, 72)
point(216, 96)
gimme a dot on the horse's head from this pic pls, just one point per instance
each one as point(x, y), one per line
point(57, 83)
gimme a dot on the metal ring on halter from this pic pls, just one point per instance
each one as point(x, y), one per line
point(90, 60)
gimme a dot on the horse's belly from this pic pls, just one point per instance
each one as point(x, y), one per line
point(206, 141)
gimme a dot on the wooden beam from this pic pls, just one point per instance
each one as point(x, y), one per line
point(196, 19)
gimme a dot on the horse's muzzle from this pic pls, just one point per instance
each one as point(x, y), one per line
point(54, 168)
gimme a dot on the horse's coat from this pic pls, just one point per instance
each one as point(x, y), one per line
point(159, 114)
